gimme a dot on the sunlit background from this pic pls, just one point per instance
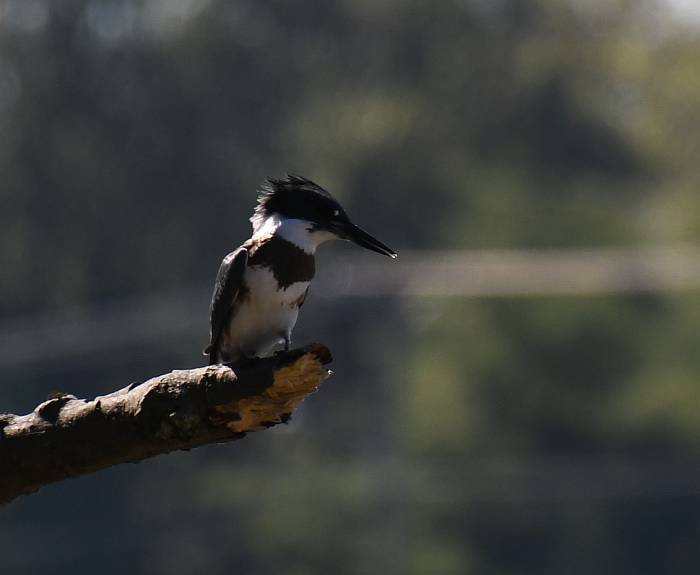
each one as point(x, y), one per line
point(519, 393)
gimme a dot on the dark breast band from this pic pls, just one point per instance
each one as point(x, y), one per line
point(289, 263)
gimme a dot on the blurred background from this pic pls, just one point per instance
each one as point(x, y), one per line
point(517, 394)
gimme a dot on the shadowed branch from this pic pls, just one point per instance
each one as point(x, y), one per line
point(66, 437)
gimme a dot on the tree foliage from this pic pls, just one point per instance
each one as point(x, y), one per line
point(493, 436)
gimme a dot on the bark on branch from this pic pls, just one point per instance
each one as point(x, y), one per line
point(66, 437)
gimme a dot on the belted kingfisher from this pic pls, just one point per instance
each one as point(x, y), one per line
point(261, 285)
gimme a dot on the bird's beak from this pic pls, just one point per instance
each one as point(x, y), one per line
point(349, 231)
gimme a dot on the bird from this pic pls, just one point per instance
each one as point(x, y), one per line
point(261, 286)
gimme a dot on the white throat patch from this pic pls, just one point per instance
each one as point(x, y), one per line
point(293, 230)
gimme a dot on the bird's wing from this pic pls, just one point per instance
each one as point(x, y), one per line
point(226, 288)
point(302, 299)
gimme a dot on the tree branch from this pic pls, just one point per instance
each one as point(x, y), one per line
point(66, 437)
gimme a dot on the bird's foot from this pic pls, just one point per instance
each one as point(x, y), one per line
point(244, 362)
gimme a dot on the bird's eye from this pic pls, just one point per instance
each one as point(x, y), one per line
point(336, 213)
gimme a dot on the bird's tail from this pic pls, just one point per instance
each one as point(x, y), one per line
point(211, 352)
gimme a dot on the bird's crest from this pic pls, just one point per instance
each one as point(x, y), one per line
point(291, 196)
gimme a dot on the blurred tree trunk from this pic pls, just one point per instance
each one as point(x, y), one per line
point(66, 437)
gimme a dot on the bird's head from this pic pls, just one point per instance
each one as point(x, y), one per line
point(299, 203)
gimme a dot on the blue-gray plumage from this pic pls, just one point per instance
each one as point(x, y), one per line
point(261, 285)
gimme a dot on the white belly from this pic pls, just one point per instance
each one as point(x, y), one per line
point(266, 316)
